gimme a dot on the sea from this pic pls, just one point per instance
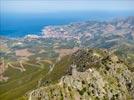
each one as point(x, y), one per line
point(20, 24)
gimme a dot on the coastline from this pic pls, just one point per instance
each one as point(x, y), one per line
point(39, 34)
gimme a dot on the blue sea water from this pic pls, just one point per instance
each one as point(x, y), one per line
point(20, 24)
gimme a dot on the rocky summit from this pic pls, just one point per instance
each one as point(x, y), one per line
point(97, 75)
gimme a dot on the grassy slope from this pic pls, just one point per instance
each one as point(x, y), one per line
point(19, 83)
point(59, 70)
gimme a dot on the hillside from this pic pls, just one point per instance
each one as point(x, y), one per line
point(97, 75)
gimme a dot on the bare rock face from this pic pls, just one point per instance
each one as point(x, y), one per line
point(108, 79)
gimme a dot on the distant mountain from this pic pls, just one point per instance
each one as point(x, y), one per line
point(104, 34)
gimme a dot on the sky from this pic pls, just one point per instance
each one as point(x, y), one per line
point(43, 6)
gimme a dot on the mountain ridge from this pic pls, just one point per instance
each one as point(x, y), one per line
point(108, 80)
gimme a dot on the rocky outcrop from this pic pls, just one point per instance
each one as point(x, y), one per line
point(108, 79)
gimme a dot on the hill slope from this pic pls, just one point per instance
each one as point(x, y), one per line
point(99, 74)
